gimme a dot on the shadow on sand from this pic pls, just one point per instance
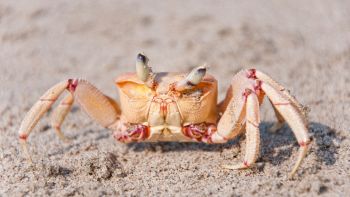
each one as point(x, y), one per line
point(275, 147)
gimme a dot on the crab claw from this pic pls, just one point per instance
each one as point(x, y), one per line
point(192, 79)
point(142, 69)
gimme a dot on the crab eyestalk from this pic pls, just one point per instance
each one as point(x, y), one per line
point(143, 71)
point(192, 79)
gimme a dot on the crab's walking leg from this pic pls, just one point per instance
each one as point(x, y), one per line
point(280, 120)
point(98, 106)
point(233, 112)
point(38, 110)
point(252, 132)
point(265, 78)
point(60, 113)
point(293, 117)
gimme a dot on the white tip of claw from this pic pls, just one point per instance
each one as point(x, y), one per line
point(142, 69)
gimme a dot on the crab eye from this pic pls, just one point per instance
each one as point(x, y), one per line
point(143, 71)
point(192, 79)
point(142, 58)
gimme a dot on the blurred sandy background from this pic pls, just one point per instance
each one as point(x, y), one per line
point(305, 45)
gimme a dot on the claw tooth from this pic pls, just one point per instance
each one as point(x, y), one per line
point(142, 69)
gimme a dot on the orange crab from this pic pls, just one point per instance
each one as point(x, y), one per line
point(178, 107)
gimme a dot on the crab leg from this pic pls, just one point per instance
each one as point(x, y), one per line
point(293, 117)
point(263, 77)
point(252, 132)
point(301, 109)
point(38, 110)
point(233, 109)
point(100, 107)
point(280, 120)
point(60, 113)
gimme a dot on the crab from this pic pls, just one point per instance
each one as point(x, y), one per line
point(179, 107)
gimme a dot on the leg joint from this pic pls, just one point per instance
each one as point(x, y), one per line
point(251, 74)
point(304, 143)
point(23, 137)
point(246, 164)
point(72, 84)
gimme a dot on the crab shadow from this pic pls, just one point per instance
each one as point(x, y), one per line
point(275, 147)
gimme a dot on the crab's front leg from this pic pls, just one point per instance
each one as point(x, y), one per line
point(241, 106)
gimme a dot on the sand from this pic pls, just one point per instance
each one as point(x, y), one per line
point(304, 46)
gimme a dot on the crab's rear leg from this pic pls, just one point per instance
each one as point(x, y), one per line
point(252, 132)
point(267, 79)
point(286, 108)
point(293, 117)
point(98, 106)
point(280, 120)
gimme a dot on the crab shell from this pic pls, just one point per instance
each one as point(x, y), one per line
point(164, 111)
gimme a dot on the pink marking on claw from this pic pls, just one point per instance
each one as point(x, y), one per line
point(200, 132)
point(138, 133)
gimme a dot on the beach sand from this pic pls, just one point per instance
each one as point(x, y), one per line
point(303, 45)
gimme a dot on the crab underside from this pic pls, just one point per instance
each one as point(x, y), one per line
point(178, 107)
